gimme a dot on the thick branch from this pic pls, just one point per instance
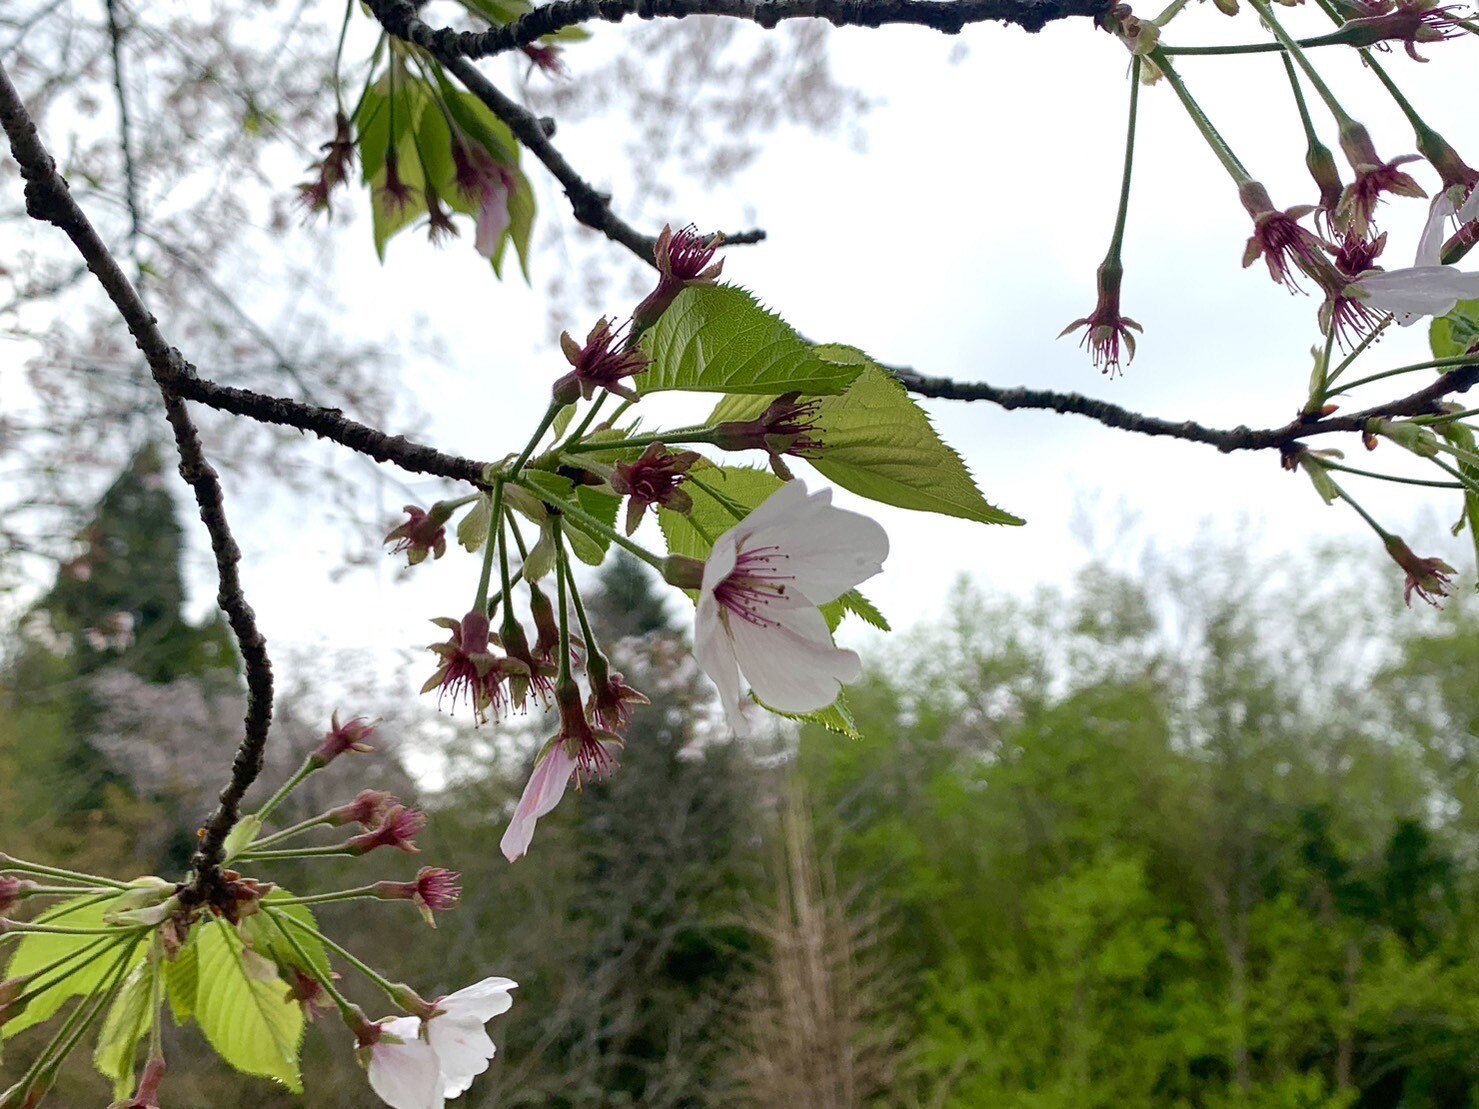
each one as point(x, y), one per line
point(946, 16)
point(49, 200)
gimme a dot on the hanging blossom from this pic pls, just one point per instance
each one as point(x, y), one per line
point(417, 1064)
point(578, 752)
point(1427, 287)
point(759, 595)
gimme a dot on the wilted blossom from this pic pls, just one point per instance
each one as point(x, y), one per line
point(351, 736)
point(1278, 238)
point(604, 362)
point(1349, 314)
point(1106, 328)
point(1409, 22)
point(1427, 577)
point(787, 426)
point(146, 1094)
point(488, 183)
point(682, 258)
point(1373, 178)
point(416, 1064)
point(759, 596)
point(469, 669)
point(434, 890)
point(308, 992)
point(611, 701)
point(439, 225)
point(333, 168)
point(367, 809)
point(397, 828)
point(578, 752)
point(1426, 288)
point(394, 192)
point(654, 478)
point(545, 56)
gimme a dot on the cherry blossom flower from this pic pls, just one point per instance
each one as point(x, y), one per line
point(1427, 287)
point(470, 669)
point(485, 181)
point(398, 828)
point(1373, 177)
point(434, 890)
point(787, 426)
point(1106, 328)
point(421, 534)
point(1284, 245)
point(341, 739)
point(1429, 578)
point(404, 1070)
point(652, 479)
point(759, 596)
point(683, 258)
point(577, 752)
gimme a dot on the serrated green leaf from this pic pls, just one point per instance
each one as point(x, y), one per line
point(252, 1022)
point(1457, 332)
point(472, 529)
point(266, 937)
point(562, 421)
point(541, 558)
point(836, 717)
point(693, 535)
point(586, 543)
point(555, 486)
point(859, 605)
point(130, 1016)
point(878, 443)
point(521, 212)
point(182, 979)
point(40, 949)
point(719, 339)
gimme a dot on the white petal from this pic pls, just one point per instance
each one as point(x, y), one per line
point(406, 1075)
point(828, 551)
point(714, 651)
point(1470, 210)
point(542, 793)
point(1430, 246)
point(721, 561)
point(1421, 291)
point(493, 218)
point(792, 664)
point(463, 1050)
point(482, 1001)
point(785, 503)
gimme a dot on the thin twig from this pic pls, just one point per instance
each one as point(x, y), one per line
point(49, 200)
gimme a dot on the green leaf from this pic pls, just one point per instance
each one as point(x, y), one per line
point(498, 12)
point(243, 833)
point(1455, 333)
point(472, 530)
point(562, 421)
point(1463, 438)
point(877, 442)
point(39, 949)
point(854, 602)
point(182, 979)
point(586, 543)
point(267, 939)
point(247, 1013)
point(719, 339)
point(129, 1017)
point(693, 535)
point(836, 717)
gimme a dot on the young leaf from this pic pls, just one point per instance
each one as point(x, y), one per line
point(836, 717)
point(1457, 332)
point(586, 543)
point(1461, 437)
point(243, 833)
point(267, 939)
point(39, 949)
point(249, 1019)
point(472, 530)
point(877, 442)
point(182, 978)
point(719, 339)
point(129, 1017)
point(693, 535)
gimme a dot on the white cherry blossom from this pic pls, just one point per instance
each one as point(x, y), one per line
point(1427, 287)
point(758, 603)
point(419, 1064)
point(403, 1069)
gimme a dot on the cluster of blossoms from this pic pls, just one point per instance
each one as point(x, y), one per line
point(758, 592)
point(141, 930)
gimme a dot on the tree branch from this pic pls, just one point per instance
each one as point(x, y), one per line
point(945, 16)
point(49, 200)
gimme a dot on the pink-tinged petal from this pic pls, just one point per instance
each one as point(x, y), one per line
point(543, 792)
point(493, 218)
point(406, 1075)
point(832, 551)
point(463, 1050)
point(1430, 245)
point(482, 1001)
point(791, 663)
point(788, 503)
point(1421, 291)
point(714, 651)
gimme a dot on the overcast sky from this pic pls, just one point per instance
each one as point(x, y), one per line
point(960, 242)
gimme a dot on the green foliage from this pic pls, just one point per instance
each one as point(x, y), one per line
point(245, 1010)
point(1457, 332)
point(718, 339)
point(877, 442)
point(129, 1019)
